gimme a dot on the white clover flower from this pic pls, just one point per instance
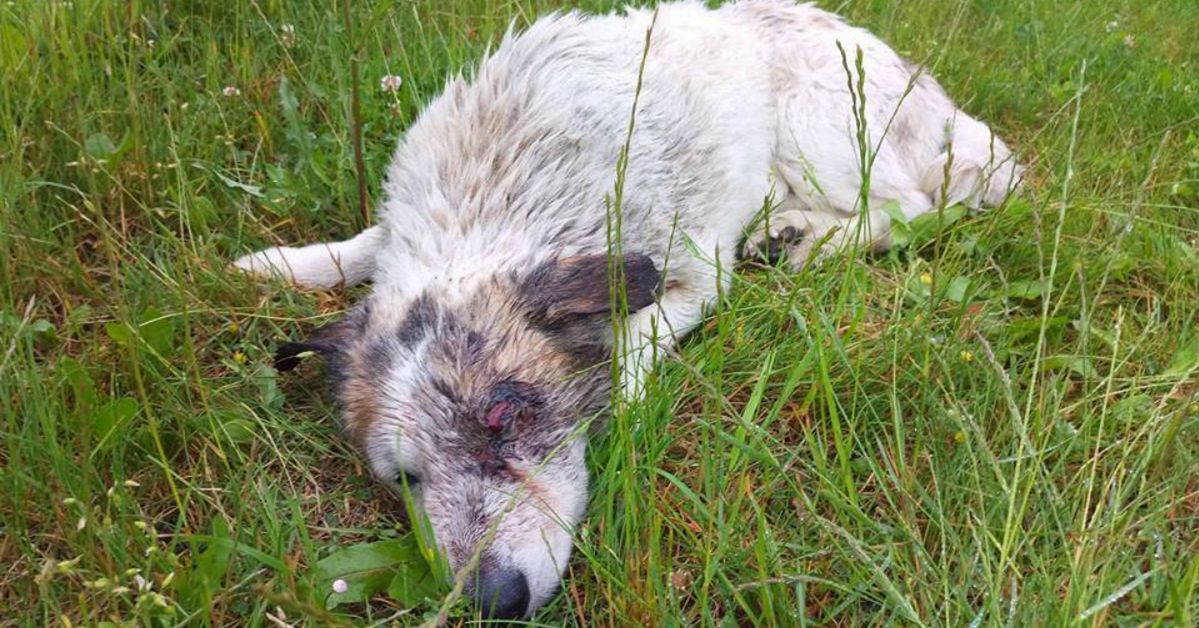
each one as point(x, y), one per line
point(231, 91)
point(1111, 26)
point(340, 586)
point(1130, 41)
point(287, 33)
point(390, 83)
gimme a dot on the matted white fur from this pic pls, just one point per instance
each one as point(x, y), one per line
point(513, 167)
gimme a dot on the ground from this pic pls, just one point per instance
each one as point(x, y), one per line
point(996, 424)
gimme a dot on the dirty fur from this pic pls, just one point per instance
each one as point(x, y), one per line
point(480, 356)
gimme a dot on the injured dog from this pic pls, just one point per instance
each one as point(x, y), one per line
point(471, 367)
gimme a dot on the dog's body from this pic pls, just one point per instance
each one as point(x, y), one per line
point(469, 365)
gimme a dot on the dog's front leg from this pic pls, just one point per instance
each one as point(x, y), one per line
point(651, 333)
point(321, 265)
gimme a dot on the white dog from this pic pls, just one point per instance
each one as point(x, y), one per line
point(468, 371)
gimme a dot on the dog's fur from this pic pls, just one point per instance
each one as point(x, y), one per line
point(472, 365)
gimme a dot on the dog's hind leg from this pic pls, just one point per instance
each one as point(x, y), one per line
point(981, 170)
point(321, 265)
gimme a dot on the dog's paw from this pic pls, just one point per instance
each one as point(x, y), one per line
point(772, 245)
point(313, 267)
point(267, 263)
point(796, 236)
point(773, 236)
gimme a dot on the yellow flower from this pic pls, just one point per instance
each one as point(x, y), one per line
point(926, 279)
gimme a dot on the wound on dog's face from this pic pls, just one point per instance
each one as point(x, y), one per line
point(482, 399)
point(507, 401)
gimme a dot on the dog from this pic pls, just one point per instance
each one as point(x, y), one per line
point(471, 370)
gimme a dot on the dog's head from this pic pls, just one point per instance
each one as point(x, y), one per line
point(478, 398)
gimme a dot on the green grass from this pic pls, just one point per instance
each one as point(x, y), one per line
point(998, 427)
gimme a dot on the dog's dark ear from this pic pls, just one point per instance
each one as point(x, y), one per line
point(328, 340)
point(570, 288)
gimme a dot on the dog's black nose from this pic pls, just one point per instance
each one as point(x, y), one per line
point(502, 593)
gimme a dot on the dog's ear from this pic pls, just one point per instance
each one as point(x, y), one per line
point(562, 290)
point(329, 340)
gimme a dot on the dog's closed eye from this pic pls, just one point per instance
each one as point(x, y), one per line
point(404, 478)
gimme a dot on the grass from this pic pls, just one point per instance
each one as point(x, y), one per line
point(995, 425)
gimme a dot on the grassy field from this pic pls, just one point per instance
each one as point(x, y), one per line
point(996, 424)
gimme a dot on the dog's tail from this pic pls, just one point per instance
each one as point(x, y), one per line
point(982, 172)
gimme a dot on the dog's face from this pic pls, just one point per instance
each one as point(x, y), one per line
point(478, 398)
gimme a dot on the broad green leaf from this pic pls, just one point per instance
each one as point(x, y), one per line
point(413, 583)
point(1079, 365)
point(157, 330)
point(1185, 358)
point(268, 387)
point(199, 582)
point(82, 387)
point(956, 291)
point(1024, 289)
point(252, 190)
point(237, 430)
point(78, 317)
point(120, 333)
point(42, 326)
point(213, 562)
point(99, 146)
point(922, 229)
point(108, 420)
point(925, 226)
point(1094, 331)
point(366, 569)
point(1134, 409)
point(901, 232)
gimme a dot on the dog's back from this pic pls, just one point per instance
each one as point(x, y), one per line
point(520, 161)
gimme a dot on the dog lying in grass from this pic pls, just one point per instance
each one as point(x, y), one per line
point(470, 371)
